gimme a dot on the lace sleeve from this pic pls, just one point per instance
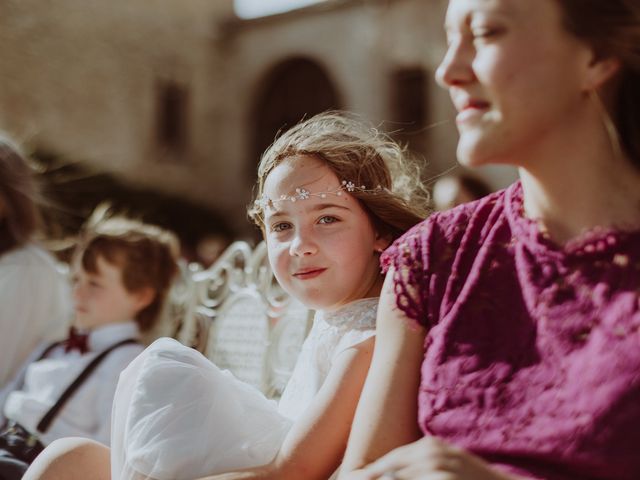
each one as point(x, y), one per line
point(409, 258)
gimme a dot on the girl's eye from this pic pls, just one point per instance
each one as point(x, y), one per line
point(280, 227)
point(93, 283)
point(328, 219)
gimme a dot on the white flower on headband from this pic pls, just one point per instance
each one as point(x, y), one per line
point(303, 194)
point(264, 202)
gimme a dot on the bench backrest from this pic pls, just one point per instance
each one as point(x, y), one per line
point(240, 318)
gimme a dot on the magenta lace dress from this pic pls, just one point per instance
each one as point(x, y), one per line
point(532, 360)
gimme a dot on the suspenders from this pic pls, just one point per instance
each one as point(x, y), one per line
point(45, 423)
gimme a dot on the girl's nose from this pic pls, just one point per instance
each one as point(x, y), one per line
point(303, 244)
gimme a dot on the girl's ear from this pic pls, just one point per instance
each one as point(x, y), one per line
point(600, 71)
point(382, 242)
point(144, 297)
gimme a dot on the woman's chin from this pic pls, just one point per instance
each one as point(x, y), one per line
point(474, 154)
point(469, 157)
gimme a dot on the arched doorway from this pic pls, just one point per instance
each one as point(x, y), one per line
point(294, 89)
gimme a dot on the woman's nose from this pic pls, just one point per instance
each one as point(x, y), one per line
point(455, 68)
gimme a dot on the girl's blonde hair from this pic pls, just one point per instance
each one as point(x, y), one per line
point(356, 152)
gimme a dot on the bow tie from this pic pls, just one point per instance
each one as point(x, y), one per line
point(76, 341)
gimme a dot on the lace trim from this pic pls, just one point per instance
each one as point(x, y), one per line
point(597, 241)
point(360, 314)
point(410, 274)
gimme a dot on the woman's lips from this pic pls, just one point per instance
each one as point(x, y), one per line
point(309, 273)
point(471, 109)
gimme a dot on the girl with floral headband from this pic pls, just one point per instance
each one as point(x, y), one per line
point(332, 194)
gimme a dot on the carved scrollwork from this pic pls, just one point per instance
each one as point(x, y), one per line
point(238, 315)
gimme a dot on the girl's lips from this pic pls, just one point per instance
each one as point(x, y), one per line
point(308, 274)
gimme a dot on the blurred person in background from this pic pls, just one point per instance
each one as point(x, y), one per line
point(35, 302)
point(209, 248)
point(122, 271)
point(452, 190)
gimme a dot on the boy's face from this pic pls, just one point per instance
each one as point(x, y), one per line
point(100, 298)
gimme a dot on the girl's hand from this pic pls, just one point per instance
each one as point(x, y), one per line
point(428, 459)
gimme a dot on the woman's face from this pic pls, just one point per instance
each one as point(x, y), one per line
point(516, 77)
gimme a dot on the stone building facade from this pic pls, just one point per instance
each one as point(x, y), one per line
point(181, 96)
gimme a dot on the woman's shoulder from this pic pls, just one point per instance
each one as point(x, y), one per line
point(445, 231)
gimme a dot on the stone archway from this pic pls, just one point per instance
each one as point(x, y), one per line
point(294, 89)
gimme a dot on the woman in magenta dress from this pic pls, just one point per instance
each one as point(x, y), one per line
point(509, 328)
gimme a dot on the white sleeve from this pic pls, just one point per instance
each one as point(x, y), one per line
point(18, 378)
point(351, 339)
point(35, 306)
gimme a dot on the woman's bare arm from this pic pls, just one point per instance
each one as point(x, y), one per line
point(387, 413)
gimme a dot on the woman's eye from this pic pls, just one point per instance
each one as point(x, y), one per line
point(280, 227)
point(483, 33)
point(328, 219)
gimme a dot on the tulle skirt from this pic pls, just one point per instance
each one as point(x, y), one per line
point(177, 416)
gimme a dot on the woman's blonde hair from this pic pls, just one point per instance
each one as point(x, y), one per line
point(356, 152)
point(612, 29)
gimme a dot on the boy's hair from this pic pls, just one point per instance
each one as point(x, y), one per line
point(356, 152)
point(19, 215)
point(146, 254)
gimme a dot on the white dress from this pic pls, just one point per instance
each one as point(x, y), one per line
point(177, 416)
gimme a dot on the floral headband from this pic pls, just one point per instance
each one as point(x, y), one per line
point(303, 194)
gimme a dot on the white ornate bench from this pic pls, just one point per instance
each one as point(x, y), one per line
point(236, 314)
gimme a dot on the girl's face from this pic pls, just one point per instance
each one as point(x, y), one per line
point(322, 250)
point(516, 78)
point(100, 298)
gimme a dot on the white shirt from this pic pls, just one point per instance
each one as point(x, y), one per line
point(87, 413)
point(35, 305)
